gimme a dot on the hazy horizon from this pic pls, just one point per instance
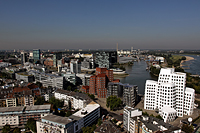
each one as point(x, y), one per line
point(100, 24)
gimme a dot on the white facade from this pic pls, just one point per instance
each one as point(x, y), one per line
point(9, 119)
point(76, 102)
point(168, 113)
point(86, 116)
point(170, 90)
point(75, 66)
point(55, 124)
point(127, 114)
point(11, 102)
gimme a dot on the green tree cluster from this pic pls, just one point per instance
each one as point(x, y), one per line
point(56, 102)
point(91, 96)
point(31, 124)
point(6, 129)
point(89, 129)
point(154, 70)
point(40, 101)
point(187, 128)
point(113, 102)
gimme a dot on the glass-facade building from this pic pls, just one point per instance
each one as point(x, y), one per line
point(36, 54)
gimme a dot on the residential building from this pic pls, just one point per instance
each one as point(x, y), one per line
point(86, 116)
point(115, 89)
point(85, 89)
point(74, 99)
point(55, 124)
point(130, 95)
point(11, 102)
point(107, 127)
point(127, 114)
point(170, 90)
point(18, 116)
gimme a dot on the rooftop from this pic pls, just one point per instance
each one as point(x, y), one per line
point(11, 109)
point(107, 127)
point(38, 107)
point(57, 119)
point(88, 109)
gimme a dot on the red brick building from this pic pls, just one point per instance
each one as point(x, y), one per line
point(92, 89)
point(99, 82)
point(85, 89)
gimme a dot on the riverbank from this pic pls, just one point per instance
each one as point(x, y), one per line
point(188, 58)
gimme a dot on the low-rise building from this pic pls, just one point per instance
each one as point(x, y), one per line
point(75, 99)
point(86, 116)
point(55, 124)
point(19, 115)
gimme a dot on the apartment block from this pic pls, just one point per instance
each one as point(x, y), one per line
point(55, 124)
point(18, 116)
point(86, 116)
point(75, 99)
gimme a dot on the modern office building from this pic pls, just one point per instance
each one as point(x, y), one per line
point(36, 54)
point(75, 66)
point(105, 59)
point(23, 57)
point(56, 56)
point(170, 90)
point(55, 124)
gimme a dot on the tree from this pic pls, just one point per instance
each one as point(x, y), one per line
point(39, 101)
point(87, 129)
point(159, 117)
point(56, 102)
point(187, 128)
point(38, 84)
point(31, 124)
point(6, 129)
point(16, 130)
point(99, 122)
point(91, 96)
point(68, 114)
point(69, 88)
point(113, 102)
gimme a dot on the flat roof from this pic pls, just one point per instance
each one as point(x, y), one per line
point(11, 109)
point(187, 89)
point(57, 119)
point(38, 107)
point(89, 108)
point(168, 109)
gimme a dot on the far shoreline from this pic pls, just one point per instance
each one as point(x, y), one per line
point(188, 58)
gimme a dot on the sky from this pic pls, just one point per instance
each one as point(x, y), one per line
point(99, 24)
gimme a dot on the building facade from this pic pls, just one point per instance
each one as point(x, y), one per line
point(170, 90)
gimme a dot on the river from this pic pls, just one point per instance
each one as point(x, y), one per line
point(137, 75)
point(192, 66)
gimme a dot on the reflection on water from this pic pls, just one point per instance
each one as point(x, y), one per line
point(137, 75)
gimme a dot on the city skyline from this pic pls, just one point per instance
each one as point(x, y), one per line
point(99, 24)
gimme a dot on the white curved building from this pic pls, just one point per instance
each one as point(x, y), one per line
point(170, 90)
